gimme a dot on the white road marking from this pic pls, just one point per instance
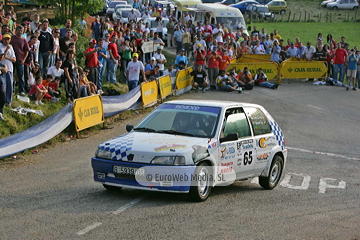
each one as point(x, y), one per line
point(88, 229)
point(315, 107)
point(304, 184)
point(323, 184)
point(129, 205)
point(323, 153)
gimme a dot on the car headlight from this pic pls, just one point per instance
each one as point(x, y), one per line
point(176, 161)
point(102, 153)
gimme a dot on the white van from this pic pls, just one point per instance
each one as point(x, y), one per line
point(219, 13)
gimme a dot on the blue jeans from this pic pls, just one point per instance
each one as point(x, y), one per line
point(44, 61)
point(101, 71)
point(132, 84)
point(266, 84)
point(112, 67)
point(124, 63)
point(8, 82)
point(83, 91)
point(358, 78)
point(179, 46)
point(52, 60)
point(338, 67)
point(19, 68)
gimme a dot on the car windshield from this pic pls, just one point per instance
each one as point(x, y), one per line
point(188, 120)
point(113, 4)
point(152, 23)
point(232, 22)
point(263, 9)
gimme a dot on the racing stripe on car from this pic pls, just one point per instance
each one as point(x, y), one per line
point(278, 134)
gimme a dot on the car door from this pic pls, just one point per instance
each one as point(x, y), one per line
point(237, 154)
point(344, 4)
point(264, 140)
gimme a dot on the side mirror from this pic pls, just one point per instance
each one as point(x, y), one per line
point(230, 137)
point(129, 127)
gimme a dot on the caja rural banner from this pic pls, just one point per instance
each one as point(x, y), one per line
point(88, 111)
point(165, 86)
point(249, 58)
point(303, 69)
point(269, 68)
point(149, 92)
point(183, 78)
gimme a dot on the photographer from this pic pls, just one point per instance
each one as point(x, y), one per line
point(199, 56)
point(275, 52)
point(213, 59)
point(261, 79)
point(351, 62)
point(245, 79)
point(92, 62)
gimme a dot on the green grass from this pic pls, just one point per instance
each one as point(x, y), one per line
point(308, 31)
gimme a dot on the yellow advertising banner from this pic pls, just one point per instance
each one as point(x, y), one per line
point(303, 69)
point(250, 58)
point(269, 68)
point(88, 111)
point(149, 92)
point(183, 78)
point(165, 86)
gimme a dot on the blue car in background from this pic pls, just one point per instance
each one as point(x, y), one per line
point(243, 5)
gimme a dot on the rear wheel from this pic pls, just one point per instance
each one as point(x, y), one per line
point(334, 8)
point(276, 170)
point(111, 188)
point(282, 12)
point(355, 8)
point(201, 187)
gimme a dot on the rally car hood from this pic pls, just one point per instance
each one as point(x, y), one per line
point(142, 147)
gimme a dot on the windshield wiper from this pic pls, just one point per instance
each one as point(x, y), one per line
point(176, 132)
point(145, 129)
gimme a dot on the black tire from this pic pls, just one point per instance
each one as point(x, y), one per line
point(201, 191)
point(334, 8)
point(282, 12)
point(276, 169)
point(111, 188)
point(355, 8)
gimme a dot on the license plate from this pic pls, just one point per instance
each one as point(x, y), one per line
point(129, 171)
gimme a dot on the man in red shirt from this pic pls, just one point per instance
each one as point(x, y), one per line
point(339, 55)
point(113, 61)
point(92, 62)
point(213, 59)
point(225, 60)
point(199, 56)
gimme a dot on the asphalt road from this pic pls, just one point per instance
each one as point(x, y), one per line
point(51, 195)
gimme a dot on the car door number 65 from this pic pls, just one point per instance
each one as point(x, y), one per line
point(248, 158)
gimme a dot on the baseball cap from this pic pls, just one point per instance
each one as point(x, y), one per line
point(292, 43)
point(93, 41)
point(199, 45)
point(111, 29)
point(182, 50)
point(6, 36)
point(152, 59)
point(135, 55)
point(159, 47)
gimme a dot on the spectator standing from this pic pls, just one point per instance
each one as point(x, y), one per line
point(225, 60)
point(178, 38)
point(91, 54)
point(3, 70)
point(63, 30)
point(308, 51)
point(46, 47)
point(64, 44)
point(181, 58)
point(275, 52)
point(213, 59)
point(151, 65)
point(352, 61)
point(29, 63)
point(170, 33)
point(291, 51)
point(127, 51)
point(71, 81)
point(56, 52)
point(186, 41)
point(199, 56)
point(8, 60)
point(21, 48)
point(34, 25)
point(133, 71)
point(339, 55)
point(95, 27)
point(102, 58)
point(113, 61)
point(160, 59)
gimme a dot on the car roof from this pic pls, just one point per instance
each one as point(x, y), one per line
point(212, 103)
point(242, 2)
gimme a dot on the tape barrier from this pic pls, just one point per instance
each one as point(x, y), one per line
point(88, 112)
point(165, 86)
point(269, 68)
point(183, 78)
point(149, 92)
point(37, 134)
point(303, 69)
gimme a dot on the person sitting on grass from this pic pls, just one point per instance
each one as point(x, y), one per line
point(199, 79)
point(53, 88)
point(38, 91)
point(261, 79)
point(224, 83)
point(87, 88)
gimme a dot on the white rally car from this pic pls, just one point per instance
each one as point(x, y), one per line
point(186, 138)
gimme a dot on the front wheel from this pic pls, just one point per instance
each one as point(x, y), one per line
point(111, 188)
point(282, 12)
point(334, 8)
point(201, 185)
point(355, 8)
point(276, 170)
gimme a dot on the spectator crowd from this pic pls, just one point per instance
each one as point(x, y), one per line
point(40, 60)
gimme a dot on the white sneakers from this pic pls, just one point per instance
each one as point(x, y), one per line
point(39, 103)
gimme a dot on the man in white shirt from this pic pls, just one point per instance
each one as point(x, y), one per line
point(8, 60)
point(160, 59)
point(217, 29)
point(308, 51)
point(145, 15)
point(56, 71)
point(133, 71)
point(132, 16)
point(291, 51)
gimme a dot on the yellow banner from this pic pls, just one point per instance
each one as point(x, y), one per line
point(303, 69)
point(269, 68)
point(88, 111)
point(165, 86)
point(149, 92)
point(183, 78)
point(247, 58)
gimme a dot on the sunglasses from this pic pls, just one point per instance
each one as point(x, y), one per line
point(57, 32)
